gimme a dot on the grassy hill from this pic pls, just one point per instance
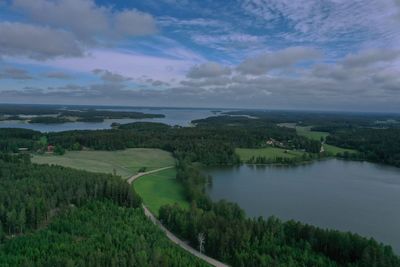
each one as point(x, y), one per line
point(125, 162)
point(159, 189)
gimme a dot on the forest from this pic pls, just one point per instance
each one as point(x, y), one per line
point(376, 145)
point(33, 194)
point(55, 216)
point(30, 194)
point(50, 114)
point(208, 143)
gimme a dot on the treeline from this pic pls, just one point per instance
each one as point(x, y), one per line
point(49, 120)
point(207, 143)
point(11, 139)
point(322, 119)
point(96, 234)
point(62, 114)
point(240, 241)
point(377, 145)
point(305, 157)
point(56, 216)
point(30, 194)
point(259, 131)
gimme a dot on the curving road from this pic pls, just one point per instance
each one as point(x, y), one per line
point(140, 174)
point(169, 234)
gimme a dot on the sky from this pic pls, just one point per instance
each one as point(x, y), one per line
point(264, 54)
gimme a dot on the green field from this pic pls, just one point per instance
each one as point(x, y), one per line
point(159, 189)
point(306, 131)
point(335, 149)
point(269, 153)
point(125, 162)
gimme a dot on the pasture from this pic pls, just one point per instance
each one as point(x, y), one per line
point(125, 162)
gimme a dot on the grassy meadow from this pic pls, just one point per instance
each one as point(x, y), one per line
point(335, 149)
point(269, 153)
point(306, 131)
point(125, 162)
point(159, 189)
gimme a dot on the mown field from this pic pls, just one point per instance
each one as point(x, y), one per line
point(124, 162)
point(335, 149)
point(159, 189)
point(269, 153)
point(306, 131)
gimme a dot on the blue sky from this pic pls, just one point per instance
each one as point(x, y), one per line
point(277, 54)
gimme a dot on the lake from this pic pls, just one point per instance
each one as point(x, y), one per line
point(351, 196)
point(179, 116)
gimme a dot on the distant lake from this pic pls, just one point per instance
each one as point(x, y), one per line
point(351, 196)
point(181, 117)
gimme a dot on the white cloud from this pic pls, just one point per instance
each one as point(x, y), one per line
point(81, 17)
point(18, 39)
point(85, 19)
point(15, 74)
point(372, 56)
point(108, 76)
point(274, 60)
point(195, 22)
point(133, 23)
point(206, 70)
point(235, 39)
point(57, 75)
point(329, 20)
point(132, 65)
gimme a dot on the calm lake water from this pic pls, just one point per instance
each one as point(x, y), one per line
point(181, 117)
point(351, 196)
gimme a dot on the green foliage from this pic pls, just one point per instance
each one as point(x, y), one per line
point(239, 241)
point(378, 145)
point(142, 169)
point(271, 155)
point(311, 133)
point(125, 162)
point(49, 120)
point(230, 236)
point(31, 194)
point(212, 142)
point(159, 189)
point(59, 150)
point(13, 138)
point(62, 115)
point(96, 234)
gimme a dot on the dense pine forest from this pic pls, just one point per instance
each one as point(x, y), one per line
point(30, 194)
point(376, 145)
point(96, 234)
point(55, 216)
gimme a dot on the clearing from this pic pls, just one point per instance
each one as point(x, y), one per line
point(159, 189)
point(269, 153)
point(306, 131)
point(125, 162)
